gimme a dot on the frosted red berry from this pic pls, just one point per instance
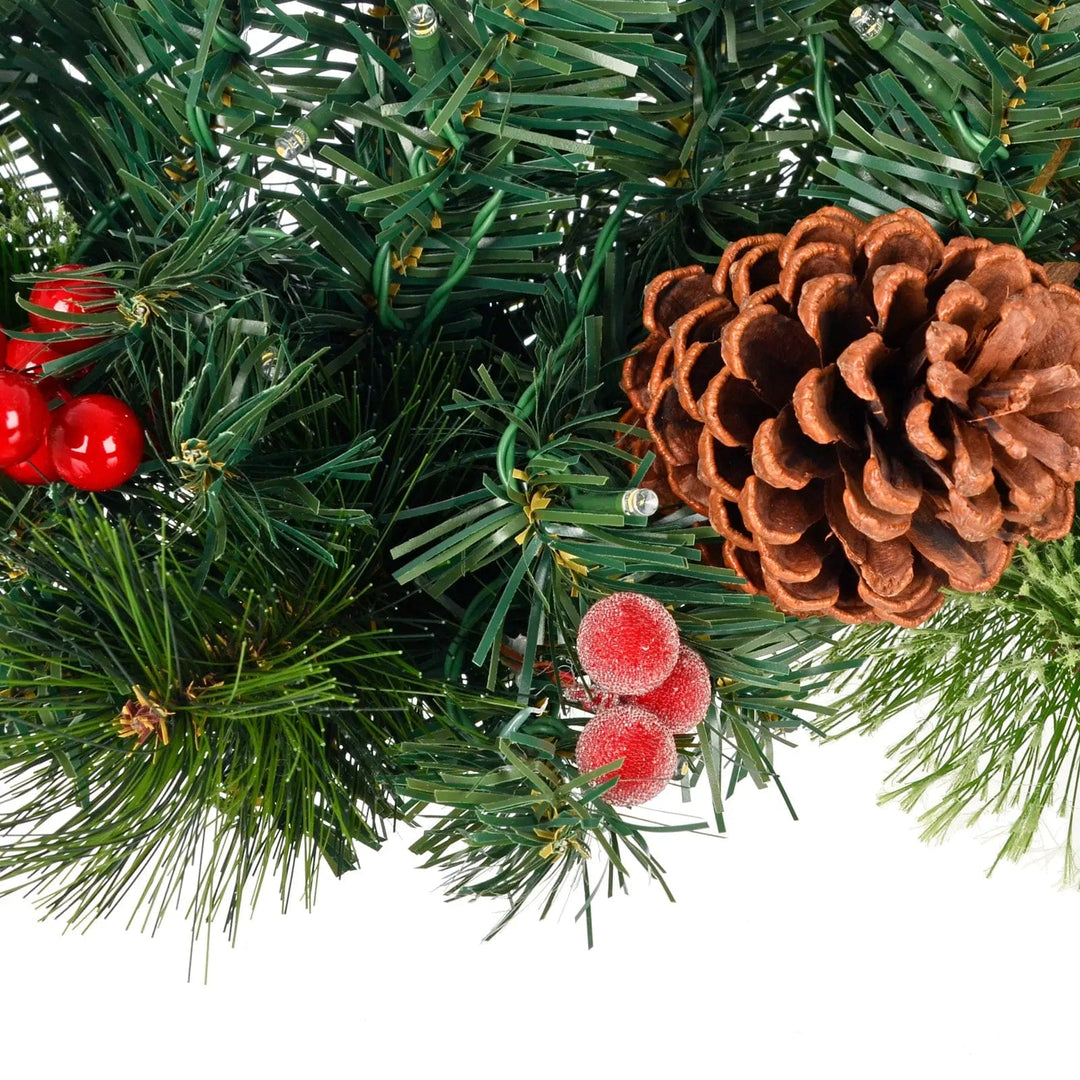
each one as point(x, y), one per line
point(628, 643)
point(634, 734)
point(69, 295)
point(96, 442)
point(23, 417)
point(681, 701)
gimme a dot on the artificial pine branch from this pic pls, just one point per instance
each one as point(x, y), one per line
point(993, 683)
point(264, 756)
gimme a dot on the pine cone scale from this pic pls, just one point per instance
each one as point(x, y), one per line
point(900, 300)
point(722, 467)
point(675, 433)
point(874, 522)
point(946, 381)
point(769, 351)
point(979, 517)
point(734, 252)
point(858, 364)
point(801, 561)
point(779, 516)
point(784, 457)
point(946, 342)
point(919, 425)
point(696, 347)
point(888, 486)
point(825, 408)
point(970, 567)
point(726, 518)
point(973, 459)
point(834, 312)
point(732, 410)
point(1056, 521)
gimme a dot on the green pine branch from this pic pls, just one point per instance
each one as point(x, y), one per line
point(990, 691)
point(278, 701)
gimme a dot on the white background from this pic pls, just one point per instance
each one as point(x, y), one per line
point(837, 946)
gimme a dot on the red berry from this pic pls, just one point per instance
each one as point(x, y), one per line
point(634, 734)
point(36, 469)
point(77, 294)
point(96, 442)
point(53, 390)
point(23, 416)
point(628, 643)
point(681, 701)
point(29, 356)
point(66, 347)
point(3, 347)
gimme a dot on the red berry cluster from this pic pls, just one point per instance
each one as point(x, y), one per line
point(651, 688)
point(92, 441)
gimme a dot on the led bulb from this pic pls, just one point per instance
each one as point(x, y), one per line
point(422, 20)
point(292, 143)
point(867, 20)
point(640, 502)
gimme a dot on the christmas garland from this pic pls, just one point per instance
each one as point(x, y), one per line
point(547, 405)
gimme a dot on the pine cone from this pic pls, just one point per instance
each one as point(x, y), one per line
point(863, 412)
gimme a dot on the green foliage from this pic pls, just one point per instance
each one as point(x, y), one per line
point(516, 562)
point(993, 681)
point(35, 233)
point(475, 183)
point(281, 699)
point(982, 141)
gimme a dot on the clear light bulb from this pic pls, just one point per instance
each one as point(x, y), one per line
point(640, 502)
point(867, 20)
point(292, 142)
point(422, 20)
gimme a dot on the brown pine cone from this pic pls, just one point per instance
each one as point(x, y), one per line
point(865, 413)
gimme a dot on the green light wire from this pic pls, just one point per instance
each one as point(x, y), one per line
point(196, 117)
point(958, 206)
point(1032, 221)
point(420, 164)
point(485, 220)
point(1032, 217)
point(975, 140)
point(590, 288)
point(380, 281)
point(200, 129)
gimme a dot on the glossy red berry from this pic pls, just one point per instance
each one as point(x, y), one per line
point(628, 643)
point(37, 469)
point(23, 417)
point(74, 295)
point(635, 735)
point(53, 390)
point(3, 347)
point(681, 701)
point(96, 442)
point(29, 356)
